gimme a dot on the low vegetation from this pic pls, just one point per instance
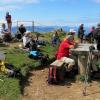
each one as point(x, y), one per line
point(11, 87)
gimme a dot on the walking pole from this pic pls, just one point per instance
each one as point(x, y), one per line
point(87, 70)
point(86, 80)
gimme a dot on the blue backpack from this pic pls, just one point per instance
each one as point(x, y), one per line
point(35, 54)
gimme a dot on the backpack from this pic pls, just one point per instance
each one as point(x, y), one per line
point(35, 54)
point(44, 60)
point(56, 75)
point(9, 69)
point(97, 35)
point(12, 72)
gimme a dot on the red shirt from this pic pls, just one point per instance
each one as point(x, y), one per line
point(63, 50)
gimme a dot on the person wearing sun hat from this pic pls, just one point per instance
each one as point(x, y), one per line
point(72, 32)
point(63, 57)
point(66, 44)
point(26, 38)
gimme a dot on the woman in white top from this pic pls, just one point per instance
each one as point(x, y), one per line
point(26, 38)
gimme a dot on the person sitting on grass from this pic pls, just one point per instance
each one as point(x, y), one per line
point(20, 32)
point(55, 38)
point(26, 39)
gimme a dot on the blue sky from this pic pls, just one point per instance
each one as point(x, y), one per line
point(53, 12)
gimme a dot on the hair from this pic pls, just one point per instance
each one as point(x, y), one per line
point(98, 25)
point(70, 37)
point(3, 25)
point(7, 13)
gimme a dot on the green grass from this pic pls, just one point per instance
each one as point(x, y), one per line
point(10, 88)
point(50, 50)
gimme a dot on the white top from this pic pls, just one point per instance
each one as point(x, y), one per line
point(26, 39)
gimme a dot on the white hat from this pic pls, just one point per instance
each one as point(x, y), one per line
point(72, 30)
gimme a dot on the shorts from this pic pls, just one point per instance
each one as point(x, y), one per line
point(63, 60)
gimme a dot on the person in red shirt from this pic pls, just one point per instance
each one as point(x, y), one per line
point(64, 47)
point(9, 21)
point(63, 57)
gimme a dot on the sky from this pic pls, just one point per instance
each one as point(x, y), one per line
point(52, 12)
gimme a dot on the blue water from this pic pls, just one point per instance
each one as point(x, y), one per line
point(49, 29)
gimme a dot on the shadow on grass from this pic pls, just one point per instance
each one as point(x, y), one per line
point(3, 45)
point(24, 80)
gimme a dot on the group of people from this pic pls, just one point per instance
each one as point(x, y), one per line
point(64, 56)
point(7, 31)
point(92, 37)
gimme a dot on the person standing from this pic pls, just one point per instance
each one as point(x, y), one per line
point(97, 36)
point(81, 32)
point(92, 30)
point(9, 21)
point(22, 29)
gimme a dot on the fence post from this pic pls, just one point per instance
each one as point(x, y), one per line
point(33, 26)
point(17, 26)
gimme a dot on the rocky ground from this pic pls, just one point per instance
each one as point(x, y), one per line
point(38, 89)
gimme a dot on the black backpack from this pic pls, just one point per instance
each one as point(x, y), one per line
point(60, 73)
point(97, 35)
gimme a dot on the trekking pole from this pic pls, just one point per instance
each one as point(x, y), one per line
point(87, 72)
point(86, 80)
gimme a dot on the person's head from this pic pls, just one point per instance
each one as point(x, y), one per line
point(93, 27)
point(82, 25)
point(70, 38)
point(98, 26)
point(7, 13)
point(3, 26)
point(72, 32)
point(21, 25)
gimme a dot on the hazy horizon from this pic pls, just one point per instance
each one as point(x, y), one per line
point(53, 12)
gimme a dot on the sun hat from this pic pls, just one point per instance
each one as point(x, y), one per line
point(27, 33)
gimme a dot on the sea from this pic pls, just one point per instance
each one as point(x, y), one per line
point(45, 29)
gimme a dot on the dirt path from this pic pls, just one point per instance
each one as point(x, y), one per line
point(38, 89)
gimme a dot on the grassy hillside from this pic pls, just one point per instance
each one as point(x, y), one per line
point(11, 88)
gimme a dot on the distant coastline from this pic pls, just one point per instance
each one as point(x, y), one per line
point(45, 29)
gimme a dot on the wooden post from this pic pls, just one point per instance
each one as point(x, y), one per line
point(33, 26)
point(82, 63)
point(17, 26)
